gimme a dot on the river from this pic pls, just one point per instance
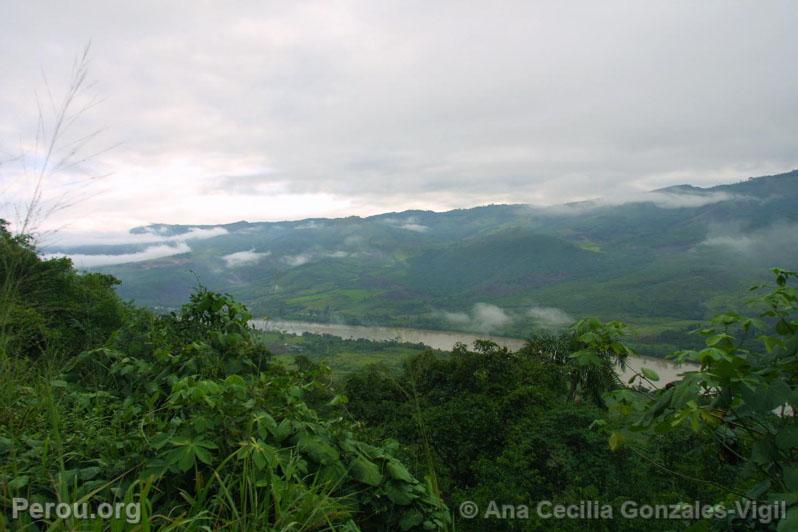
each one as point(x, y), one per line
point(444, 340)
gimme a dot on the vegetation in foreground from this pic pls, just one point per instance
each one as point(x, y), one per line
point(184, 413)
point(189, 415)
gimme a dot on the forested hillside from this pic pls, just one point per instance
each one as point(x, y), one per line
point(661, 262)
point(188, 417)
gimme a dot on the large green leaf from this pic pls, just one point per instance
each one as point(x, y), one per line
point(398, 471)
point(650, 374)
point(317, 449)
point(366, 471)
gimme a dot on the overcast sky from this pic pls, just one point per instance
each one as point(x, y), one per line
point(285, 110)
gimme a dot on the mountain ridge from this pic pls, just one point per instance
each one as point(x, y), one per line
point(685, 188)
point(662, 266)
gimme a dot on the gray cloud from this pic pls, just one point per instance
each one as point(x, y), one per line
point(458, 318)
point(488, 317)
point(773, 242)
point(291, 110)
point(662, 199)
point(408, 223)
point(483, 317)
point(243, 258)
point(675, 201)
point(297, 260)
point(550, 317)
point(165, 245)
point(149, 253)
point(67, 239)
point(417, 228)
point(304, 258)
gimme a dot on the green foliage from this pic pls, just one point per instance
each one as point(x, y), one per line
point(596, 352)
point(503, 426)
point(46, 306)
point(186, 414)
point(742, 398)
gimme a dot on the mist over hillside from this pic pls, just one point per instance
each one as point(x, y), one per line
point(654, 261)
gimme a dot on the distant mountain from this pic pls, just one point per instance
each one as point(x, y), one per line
point(660, 263)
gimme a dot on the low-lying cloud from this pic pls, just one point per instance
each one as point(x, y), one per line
point(243, 258)
point(764, 244)
point(304, 258)
point(409, 223)
point(669, 200)
point(149, 236)
point(550, 317)
point(662, 199)
point(297, 260)
point(489, 317)
point(149, 253)
point(485, 317)
point(418, 228)
point(193, 233)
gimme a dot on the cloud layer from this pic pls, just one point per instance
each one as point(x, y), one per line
point(243, 258)
point(776, 242)
point(485, 317)
point(150, 253)
point(102, 238)
point(292, 110)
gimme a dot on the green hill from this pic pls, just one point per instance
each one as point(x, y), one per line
point(659, 262)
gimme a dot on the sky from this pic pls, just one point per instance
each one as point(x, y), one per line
point(210, 112)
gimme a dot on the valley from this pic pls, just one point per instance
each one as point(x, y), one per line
point(661, 262)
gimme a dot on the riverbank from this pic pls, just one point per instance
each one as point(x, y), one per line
point(445, 340)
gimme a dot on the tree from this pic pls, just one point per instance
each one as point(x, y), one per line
point(743, 397)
